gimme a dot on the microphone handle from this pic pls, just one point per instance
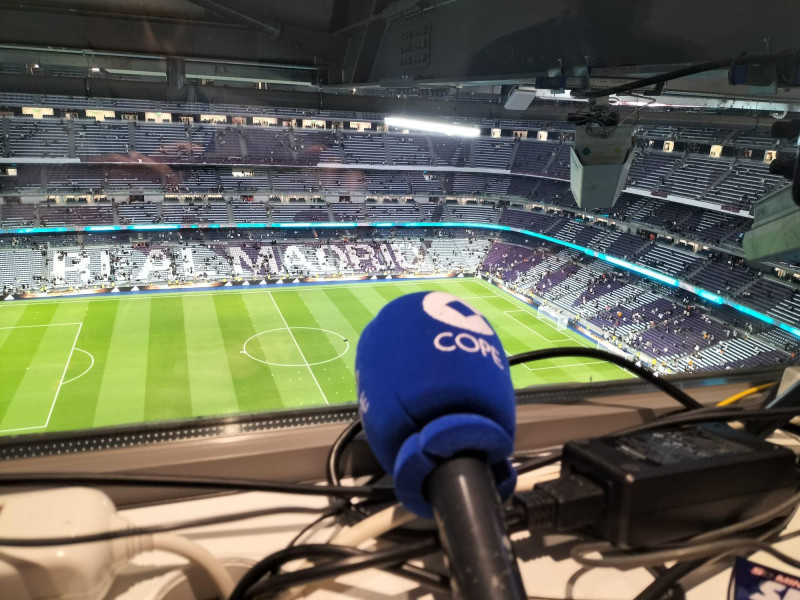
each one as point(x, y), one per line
point(469, 517)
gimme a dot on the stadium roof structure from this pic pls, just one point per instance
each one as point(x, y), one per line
point(455, 58)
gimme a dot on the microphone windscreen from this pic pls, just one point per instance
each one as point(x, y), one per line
point(430, 360)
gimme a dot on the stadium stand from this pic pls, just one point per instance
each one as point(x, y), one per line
point(533, 156)
point(408, 150)
point(20, 269)
point(381, 171)
point(300, 212)
point(471, 213)
point(75, 215)
point(248, 212)
point(194, 213)
point(492, 153)
point(348, 212)
point(659, 328)
point(94, 139)
point(387, 182)
point(313, 147)
point(450, 152)
point(673, 261)
point(17, 215)
point(408, 212)
point(138, 212)
point(265, 145)
point(163, 142)
point(45, 138)
point(365, 149)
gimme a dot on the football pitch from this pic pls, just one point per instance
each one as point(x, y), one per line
point(78, 363)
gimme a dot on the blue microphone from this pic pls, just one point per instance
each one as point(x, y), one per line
point(437, 403)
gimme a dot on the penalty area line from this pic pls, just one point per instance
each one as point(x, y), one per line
point(61, 382)
point(66, 366)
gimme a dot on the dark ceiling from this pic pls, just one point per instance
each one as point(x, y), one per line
point(399, 49)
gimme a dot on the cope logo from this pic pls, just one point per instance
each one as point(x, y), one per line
point(363, 403)
point(454, 312)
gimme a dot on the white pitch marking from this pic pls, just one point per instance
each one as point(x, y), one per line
point(594, 362)
point(510, 316)
point(274, 364)
point(314, 377)
point(580, 339)
point(89, 368)
point(60, 383)
point(22, 428)
point(43, 325)
point(220, 290)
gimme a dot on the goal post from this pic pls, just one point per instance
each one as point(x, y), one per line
point(546, 312)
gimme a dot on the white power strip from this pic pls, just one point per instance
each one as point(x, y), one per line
point(70, 572)
point(84, 571)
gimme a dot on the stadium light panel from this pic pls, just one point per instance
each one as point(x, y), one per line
point(432, 126)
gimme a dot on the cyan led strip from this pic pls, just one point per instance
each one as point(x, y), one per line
point(623, 264)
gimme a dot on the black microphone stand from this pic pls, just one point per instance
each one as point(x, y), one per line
point(469, 517)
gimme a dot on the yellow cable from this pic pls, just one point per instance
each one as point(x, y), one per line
point(744, 394)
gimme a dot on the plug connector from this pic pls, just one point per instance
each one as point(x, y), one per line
point(564, 504)
point(656, 487)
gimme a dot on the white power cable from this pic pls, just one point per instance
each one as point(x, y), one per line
point(195, 553)
point(374, 526)
point(370, 528)
point(526, 481)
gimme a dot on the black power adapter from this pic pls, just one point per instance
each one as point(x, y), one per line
point(661, 486)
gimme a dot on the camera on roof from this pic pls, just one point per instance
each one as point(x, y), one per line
point(787, 162)
point(599, 164)
point(775, 234)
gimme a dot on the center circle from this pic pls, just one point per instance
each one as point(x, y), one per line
point(298, 338)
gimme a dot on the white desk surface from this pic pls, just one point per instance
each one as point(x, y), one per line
point(253, 539)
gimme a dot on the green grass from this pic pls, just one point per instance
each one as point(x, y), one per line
point(80, 363)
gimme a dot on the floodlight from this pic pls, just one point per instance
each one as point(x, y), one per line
point(432, 126)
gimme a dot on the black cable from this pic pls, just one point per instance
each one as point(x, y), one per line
point(353, 512)
point(332, 512)
point(772, 57)
point(338, 448)
point(789, 398)
point(669, 579)
point(377, 559)
point(274, 561)
point(720, 549)
point(676, 592)
point(153, 529)
point(433, 581)
point(790, 428)
point(182, 481)
point(664, 385)
point(770, 395)
point(709, 416)
point(539, 462)
point(333, 468)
